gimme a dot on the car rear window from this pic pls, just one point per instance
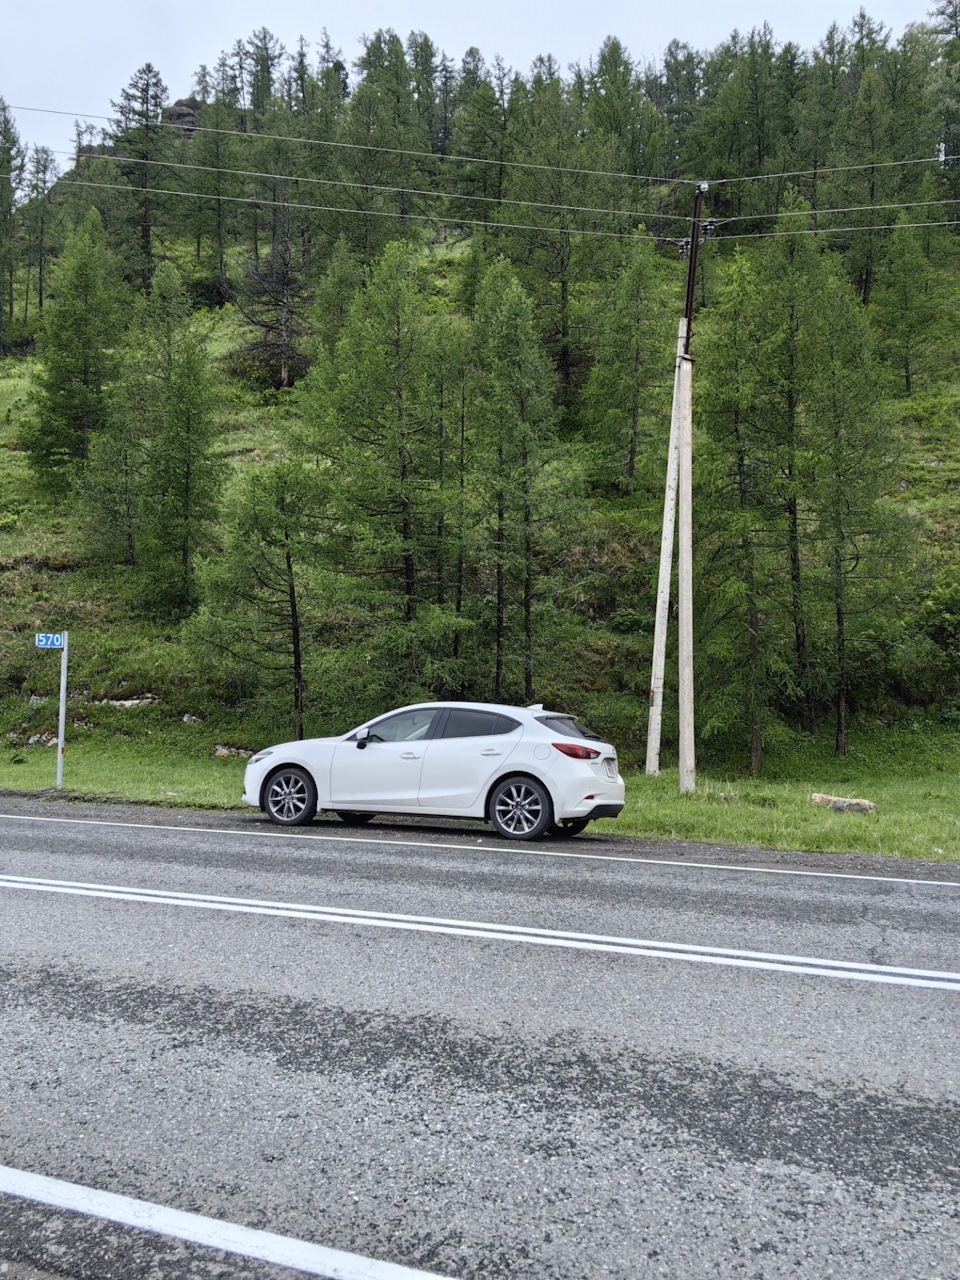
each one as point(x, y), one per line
point(476, 724)
point(569, 727)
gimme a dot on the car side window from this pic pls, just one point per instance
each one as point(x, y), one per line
point(476, 724)
point(408, 726)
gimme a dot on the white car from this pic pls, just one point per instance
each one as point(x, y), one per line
point(526, 770)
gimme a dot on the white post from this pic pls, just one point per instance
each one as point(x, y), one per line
point(688, 767)
point(655, 719)
point(63, 710)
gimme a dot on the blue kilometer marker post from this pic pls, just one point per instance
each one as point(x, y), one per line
point(58, 640)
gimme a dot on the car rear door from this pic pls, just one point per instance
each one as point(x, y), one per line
point(459, 762)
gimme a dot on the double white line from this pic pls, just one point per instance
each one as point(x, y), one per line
point(811, 966)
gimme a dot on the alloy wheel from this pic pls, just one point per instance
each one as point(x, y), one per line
point(519, 810)
point(290, 798)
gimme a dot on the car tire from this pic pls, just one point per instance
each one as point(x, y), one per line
point(568, 827)
point(290, 797)
point(520, 808)
point(354, 819)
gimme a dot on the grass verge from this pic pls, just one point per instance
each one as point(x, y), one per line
point(917, 817)
point(918, 812)
point(132, 771)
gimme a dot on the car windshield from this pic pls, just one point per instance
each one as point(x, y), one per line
point(568, 726)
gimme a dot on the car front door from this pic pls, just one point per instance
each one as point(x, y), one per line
point(385, 774)
point(459, 763)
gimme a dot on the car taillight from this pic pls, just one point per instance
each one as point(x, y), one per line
point(575, 750)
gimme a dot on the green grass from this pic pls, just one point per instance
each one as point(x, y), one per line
point(918, 800)
point(917, 817)
point(135, 771)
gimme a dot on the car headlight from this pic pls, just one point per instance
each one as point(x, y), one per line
point(261, 755)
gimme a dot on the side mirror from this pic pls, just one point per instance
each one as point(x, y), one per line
point(363, 739)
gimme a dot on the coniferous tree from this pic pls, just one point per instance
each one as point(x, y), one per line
point(78, 359)
point(905, 305)
point(859, 539)
point(513, 421)
point(273, 299)
point(38, 225)
point(142, 143)
point(262, 606)
point(158, 449)
point(625, 387)
point(374, 415)
point(11, 174)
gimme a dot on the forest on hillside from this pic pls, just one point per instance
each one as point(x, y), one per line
point(351, 384)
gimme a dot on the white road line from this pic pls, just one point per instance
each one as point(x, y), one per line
point(281, 1251)
point(809, 965)
point(274, 834)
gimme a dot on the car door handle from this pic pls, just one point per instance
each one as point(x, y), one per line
point(491, 752)
point(409, 755)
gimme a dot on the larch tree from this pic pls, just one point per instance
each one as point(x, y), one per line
point(513, 419)
point(142, 143)
point(11, 176)
point(373, 416)
point(160, 445)
point(78, 358)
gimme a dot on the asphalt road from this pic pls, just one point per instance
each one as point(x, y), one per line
point(452, 1083)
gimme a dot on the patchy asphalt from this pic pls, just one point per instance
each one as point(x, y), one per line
point(472, 1107)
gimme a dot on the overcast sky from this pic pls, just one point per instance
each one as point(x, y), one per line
point(75, 57)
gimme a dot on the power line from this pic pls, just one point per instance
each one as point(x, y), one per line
point(830, 231)
point(822, 213)
point(362, 213)
point(372, 186)
point(362, 146)
point(842, 168)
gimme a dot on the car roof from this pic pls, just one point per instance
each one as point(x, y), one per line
point(504, 707)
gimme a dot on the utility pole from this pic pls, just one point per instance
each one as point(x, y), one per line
point(679, 487)
point(655, 718)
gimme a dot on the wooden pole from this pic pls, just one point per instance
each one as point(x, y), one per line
point(688, 767)
point(655, 718)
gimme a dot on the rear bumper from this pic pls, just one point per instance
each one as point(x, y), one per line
point(604, 811)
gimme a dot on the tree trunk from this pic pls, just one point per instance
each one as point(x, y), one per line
point(297, 656)
point(841, 650)
point(801, 649)
point(527, 605)
point(498, 669)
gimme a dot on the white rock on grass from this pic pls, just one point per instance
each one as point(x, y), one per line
point(841, 805)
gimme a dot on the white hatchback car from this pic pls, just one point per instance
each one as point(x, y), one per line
point(524, 769)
